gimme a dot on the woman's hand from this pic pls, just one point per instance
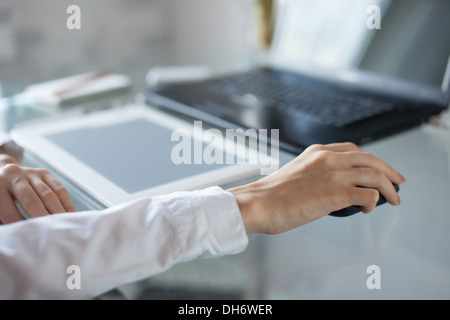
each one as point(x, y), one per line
point(323, 179)
point(36, 190)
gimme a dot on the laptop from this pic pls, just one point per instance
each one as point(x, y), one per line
point(331, 78)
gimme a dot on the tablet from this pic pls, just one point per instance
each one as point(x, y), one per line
point(125, 153)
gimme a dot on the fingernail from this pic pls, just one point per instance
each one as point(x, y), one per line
point(398, 199)
point(402, 177)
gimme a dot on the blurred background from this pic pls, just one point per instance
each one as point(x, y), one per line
point(132, 36)
point(129, 36)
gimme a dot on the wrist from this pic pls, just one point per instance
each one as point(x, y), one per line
point(247, 199)
point(6, 159)
point(11, 149)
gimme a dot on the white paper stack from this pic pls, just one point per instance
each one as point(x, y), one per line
point(78, 89)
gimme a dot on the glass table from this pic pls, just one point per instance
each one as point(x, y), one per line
point(406, 249)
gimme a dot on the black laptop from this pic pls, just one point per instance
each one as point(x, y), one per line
point(362, 103)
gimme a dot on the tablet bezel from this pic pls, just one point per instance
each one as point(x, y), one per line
point(32, 137)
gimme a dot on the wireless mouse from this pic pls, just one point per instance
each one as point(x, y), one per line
point(355, 209)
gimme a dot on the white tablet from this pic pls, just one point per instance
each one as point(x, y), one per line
point(130, 152)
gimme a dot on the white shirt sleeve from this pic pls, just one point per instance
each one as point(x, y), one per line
point(122, 244)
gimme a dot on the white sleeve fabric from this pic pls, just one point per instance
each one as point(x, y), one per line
point(122, 244)
point(4, 138)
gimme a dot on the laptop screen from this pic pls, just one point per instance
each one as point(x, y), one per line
point(407, 39)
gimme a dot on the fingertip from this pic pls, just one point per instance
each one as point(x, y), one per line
point(400, 178)
point(366, 210)
point(68, 209)
point(68, 205)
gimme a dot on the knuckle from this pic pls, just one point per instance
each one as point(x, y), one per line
point(377, 174)
point(47, 194)
point(42, 172)
point(61, 193)
point(373, 174)
point(315, 147)
point(374, 196)
point(30, 201)
point(11, 170)
point(323, 156)
point(351, 145)
point(60, 190)
point(370, 156)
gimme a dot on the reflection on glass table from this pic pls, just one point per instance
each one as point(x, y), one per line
point(392, 253)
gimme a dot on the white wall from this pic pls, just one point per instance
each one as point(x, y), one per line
point(212, 32)
point(119, 35)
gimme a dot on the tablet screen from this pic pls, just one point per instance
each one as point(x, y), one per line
point(121, 154)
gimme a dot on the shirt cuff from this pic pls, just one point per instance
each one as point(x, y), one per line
point(4, 138)
point(208, 223)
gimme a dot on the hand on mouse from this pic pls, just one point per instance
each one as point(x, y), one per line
point(323, 179)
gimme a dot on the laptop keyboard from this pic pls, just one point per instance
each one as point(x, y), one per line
point(292, 94)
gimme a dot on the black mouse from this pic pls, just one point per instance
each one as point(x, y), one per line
point(355, 209)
